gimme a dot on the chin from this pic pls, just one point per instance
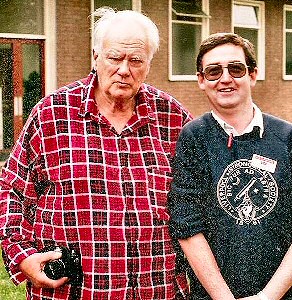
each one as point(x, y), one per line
point(229, 103)
point(122, 96)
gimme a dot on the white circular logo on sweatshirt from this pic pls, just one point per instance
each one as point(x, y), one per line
point(247, 193)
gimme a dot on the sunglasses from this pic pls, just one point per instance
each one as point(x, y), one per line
point(214, 72)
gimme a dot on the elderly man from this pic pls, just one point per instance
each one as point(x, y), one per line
point(90, 174)
point(230, 200)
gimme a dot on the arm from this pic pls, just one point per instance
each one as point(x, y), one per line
point(187, 202)
point(203, 262)
point(24, 179)
point(281, 280)
point(18, 200)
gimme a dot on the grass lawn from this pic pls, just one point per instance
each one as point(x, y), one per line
point(8, 291)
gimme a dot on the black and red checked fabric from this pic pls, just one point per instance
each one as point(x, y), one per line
point(72, 180)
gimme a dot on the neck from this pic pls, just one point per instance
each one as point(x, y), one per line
point(238, 119)
point(119, 108)
point(117, 111)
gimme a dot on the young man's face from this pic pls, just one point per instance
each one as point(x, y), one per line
point(227, 94)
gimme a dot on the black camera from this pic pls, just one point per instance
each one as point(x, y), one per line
point(69, 265)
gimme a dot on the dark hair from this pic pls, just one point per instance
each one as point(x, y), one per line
point(222, 38)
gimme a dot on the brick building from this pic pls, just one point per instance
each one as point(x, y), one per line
point(45, 44)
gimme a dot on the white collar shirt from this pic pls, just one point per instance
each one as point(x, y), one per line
point(256, 121)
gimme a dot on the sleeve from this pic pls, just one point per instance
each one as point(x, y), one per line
point(18, 198)
point(189, 186)
point(187, 116)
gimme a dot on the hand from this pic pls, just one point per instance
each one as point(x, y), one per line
point(32, 268)
point(254, 297)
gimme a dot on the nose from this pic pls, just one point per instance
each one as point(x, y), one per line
point(124, 69)
point(225, 76)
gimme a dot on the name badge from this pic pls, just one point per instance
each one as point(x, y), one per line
point(263, 163)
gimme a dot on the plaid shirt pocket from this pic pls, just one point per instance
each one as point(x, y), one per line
point(159, 184)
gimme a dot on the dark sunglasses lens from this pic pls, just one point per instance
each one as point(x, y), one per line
point(237, 70)
point(213, 72)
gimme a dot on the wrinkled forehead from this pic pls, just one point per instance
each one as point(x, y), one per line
point(127, 36)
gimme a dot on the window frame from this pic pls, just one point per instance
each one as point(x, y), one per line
point(261, 31)
point(50, 39)
point(205, 32)
point(286, 8)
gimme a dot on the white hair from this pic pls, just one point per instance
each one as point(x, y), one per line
point(107, 16)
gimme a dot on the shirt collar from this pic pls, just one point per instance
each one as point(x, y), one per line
point(88, 104)
point(256, 121)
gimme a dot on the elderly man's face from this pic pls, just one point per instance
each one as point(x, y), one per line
point(124, 62)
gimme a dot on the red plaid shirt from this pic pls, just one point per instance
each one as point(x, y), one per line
point(73, 180)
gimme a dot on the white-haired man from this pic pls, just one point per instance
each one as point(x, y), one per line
point(90, 173)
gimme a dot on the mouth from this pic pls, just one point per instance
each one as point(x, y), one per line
point(122, 84)
point(226, 90)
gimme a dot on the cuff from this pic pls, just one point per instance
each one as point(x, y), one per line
point(13, 255)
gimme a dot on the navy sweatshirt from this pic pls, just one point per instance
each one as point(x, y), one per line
point(240, 198)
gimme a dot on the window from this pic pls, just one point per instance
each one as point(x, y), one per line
point(287, 42)
point(189, 26)
point(21, 85)
point(248, 21)
point(115, 4)
point(27, 35)
point(23, 17)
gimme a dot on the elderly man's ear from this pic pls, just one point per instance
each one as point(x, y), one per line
point(94, 53)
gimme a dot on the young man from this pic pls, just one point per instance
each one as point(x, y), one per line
point(91, 172)
point(230, 201)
